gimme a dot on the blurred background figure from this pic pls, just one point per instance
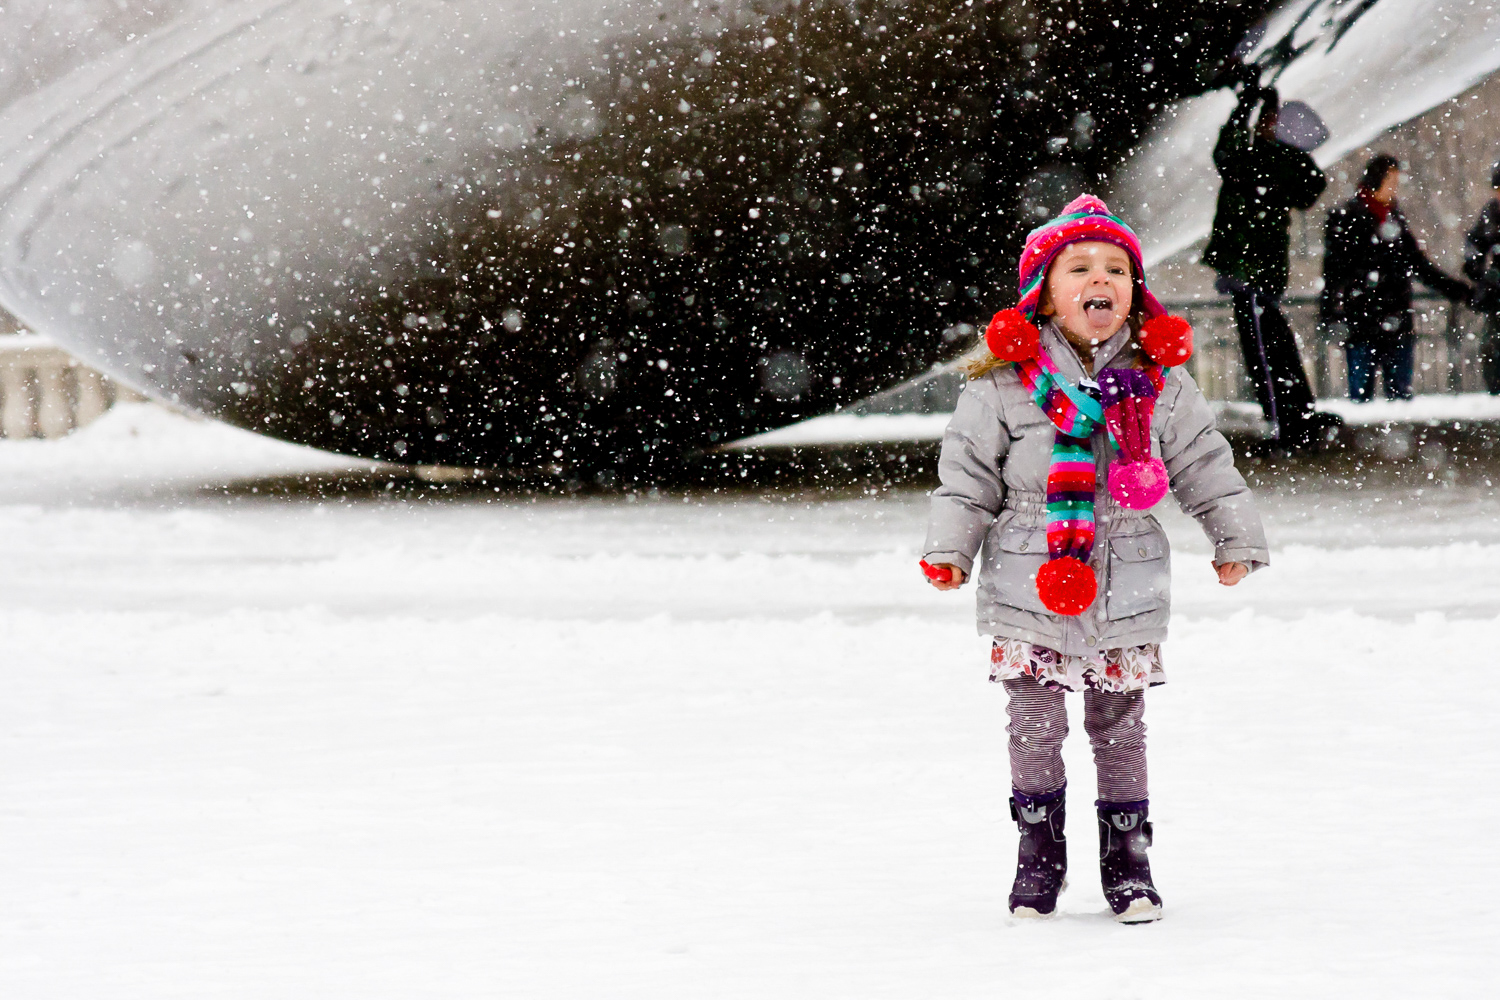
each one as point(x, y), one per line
point(1370, 258)
point(1264, 178)
point(1482, 266)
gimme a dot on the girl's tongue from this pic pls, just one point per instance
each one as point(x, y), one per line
point(1099, 311)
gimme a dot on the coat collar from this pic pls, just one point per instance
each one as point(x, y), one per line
point(1066, 357)
point(1357, 206)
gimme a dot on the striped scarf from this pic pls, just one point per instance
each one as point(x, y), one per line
point(1071, 477)
point(1068, 589)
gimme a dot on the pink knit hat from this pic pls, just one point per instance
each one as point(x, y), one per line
point(1085, 218)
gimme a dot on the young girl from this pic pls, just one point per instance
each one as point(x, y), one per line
point(1074, 578)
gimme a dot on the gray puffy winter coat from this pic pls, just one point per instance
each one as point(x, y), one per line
point(996, 453)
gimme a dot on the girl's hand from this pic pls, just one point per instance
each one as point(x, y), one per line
point(953, 584)
point(1231, 573)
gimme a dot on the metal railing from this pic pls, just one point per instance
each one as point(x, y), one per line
point(1447, 348)
point(1446, 361)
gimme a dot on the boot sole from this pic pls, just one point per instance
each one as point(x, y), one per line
point(1140, 911)
point(1027, 913)
point(1032, 913)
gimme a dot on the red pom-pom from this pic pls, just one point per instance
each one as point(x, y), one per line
point(1167, 339)
point(1012, 337)
point(941, 574)
point(1067, 586)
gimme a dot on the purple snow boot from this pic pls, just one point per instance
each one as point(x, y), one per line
point(1043, 860)
point(1124, 835)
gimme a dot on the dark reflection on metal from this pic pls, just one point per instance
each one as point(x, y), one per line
point(558, 240)
point(493, 234)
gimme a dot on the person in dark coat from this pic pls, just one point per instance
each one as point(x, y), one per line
point(1264, 178)
point(1369, 260)
point(1482, 266)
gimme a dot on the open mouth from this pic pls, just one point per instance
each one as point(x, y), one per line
point(1099, 310)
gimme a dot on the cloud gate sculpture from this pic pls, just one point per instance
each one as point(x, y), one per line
point(597, 236)
point(1365, 65)
point(503, 234)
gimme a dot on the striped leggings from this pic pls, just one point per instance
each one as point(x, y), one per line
point(1039, 723)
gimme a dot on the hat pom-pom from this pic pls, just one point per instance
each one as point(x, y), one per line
point(1086, 204)
point(1138, 485)
point(1066, 586)
point(1012, 337)
point(1168, 340)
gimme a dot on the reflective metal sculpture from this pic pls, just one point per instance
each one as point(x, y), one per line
point(504, 234)
point(1364, 65)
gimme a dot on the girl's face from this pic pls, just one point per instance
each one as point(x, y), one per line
point(1088, 292)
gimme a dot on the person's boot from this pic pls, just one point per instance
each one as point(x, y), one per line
point(1042, 863)
point(1320, 431)
point(1124, 835)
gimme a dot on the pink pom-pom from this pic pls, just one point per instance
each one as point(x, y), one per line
point(1012, 337)
point(1167, 339)
point(1066, 586)
point(1138, 485)
point(1086, 203)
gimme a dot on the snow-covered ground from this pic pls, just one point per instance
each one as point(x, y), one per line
point(377, 746)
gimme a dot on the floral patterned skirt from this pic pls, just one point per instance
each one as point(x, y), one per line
point(1131, 668)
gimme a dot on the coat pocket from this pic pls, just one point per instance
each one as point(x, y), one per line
point(1014, 555)
point(1140, 576)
